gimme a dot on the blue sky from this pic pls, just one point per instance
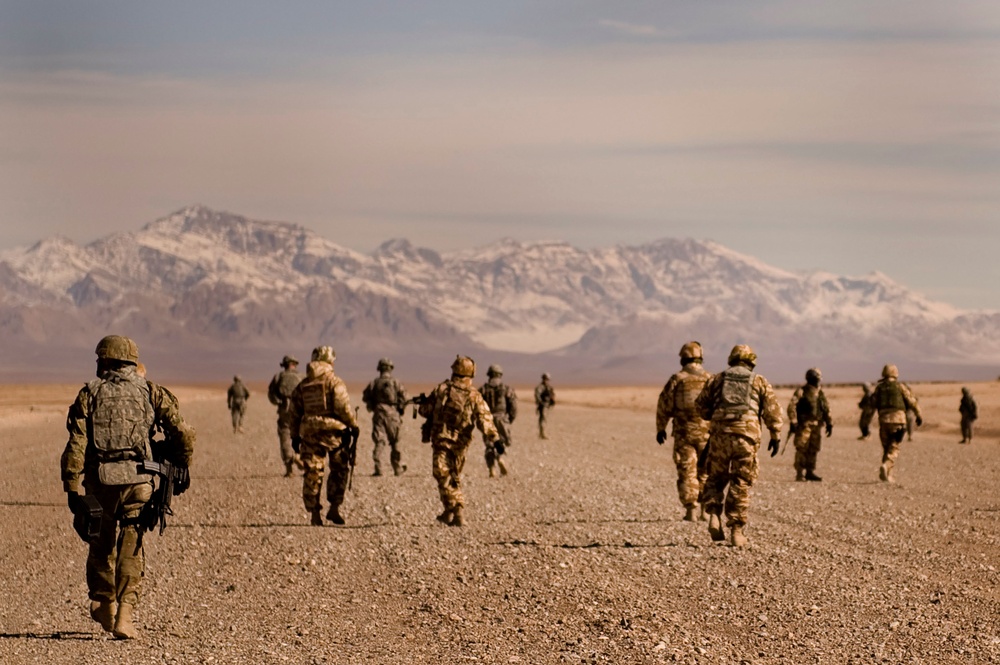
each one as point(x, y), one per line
point(840, 136)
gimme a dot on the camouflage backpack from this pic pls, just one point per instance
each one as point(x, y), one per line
point(807, 408)
point(496, 397)
point(383, 392)
point(121, 421)
point(453, 410)
point(736, 398)
point(314, 397)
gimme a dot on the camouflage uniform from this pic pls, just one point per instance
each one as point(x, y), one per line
point(385, 398)
point(735, 437)
point(502, 401)
point(911, 415)
point(867, 413)
point(279, 393)
point(454, 410)
point(320, 414)
point(808, 413)
point(116, 561)
point(892, 399)
point(970, 412)
point(236, 398)
point(690, 432)
point(545, 399)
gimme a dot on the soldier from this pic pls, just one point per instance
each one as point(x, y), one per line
point(502, 401)
point(279, 393)
point(677, 401)
point(545, 399)
point(385, 399)
point(110, 432)
point(453, 411)
point(323, 425)
point(736, 401)
point(807, 410)
point(911, 414)
point(867, 412)
point(967, 407)
point(892, 399)
point(236, 398)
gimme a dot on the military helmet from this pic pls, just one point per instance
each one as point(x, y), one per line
point(236, 378)
point(289, 360)
point(324, 354)
point(385, 365)
point(691, 351)
point(117, 347)
point(965, 391)
point(494, 370)
point(742, 353)
point(813, 375)
point(890, 372)
point(464, 366)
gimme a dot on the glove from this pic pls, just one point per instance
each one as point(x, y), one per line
point(661, 436)
point(773, 445)
point(920, 421)
point(75, 501)
point(499, 447)
point(183, 480)
point(793, 428)
point(296, 444)
point(829, 430)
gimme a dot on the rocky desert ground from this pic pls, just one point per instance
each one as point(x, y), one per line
point(578, 556)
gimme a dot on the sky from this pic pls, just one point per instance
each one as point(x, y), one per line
point(845, 136)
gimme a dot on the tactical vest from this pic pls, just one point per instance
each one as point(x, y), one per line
point(686, 392)
point(737, 399)
point(452, 412)
point(287, 383)
point(315, 401)
point(889, 397)
point(807, 408)
point(495, 396)
point(121, 422)
point(384, 391)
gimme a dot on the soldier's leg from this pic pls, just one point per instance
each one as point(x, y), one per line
point(801, 443)
point(441, 470)
point(891, 435)
point(336, 484)
point(743, 474)
point(490, 454)
point(288, 456)
point(717, 474)
point(541, 423)
point(379, 441)
point(314, 464)
point(395, 452)
point(814, 444)
point(234, 413)
point(686, 462)
point(102, 556)
point(131, 559)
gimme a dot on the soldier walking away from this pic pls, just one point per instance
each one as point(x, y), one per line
point(690, 432)
point(323, 425)
point(110, 439)
point(545, 399)
point(736, 402)
point(385, 399)
point(236, 398)
point(892, 399)
point(502, 401)
point(867, 412)
point(279, 393)
point(453, 411)
point(911, 414)
point(808, 411)
point(969, 412)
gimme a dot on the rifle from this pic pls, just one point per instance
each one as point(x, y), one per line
point(174, 480)
point(416, 401)
point(350, 439)
point(791, 433)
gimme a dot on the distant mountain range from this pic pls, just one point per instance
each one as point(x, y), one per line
point(209, 293)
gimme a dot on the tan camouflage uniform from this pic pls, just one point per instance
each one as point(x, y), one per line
point(808, 432)
point(116, 561)
point(892, 399)
point(733, 443)
point(385, 398)
point(279, 393)
point(320, 412)
point(451, 434)
point(690, 432)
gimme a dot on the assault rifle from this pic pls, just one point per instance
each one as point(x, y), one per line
point(173, 480)
point(349, 438)
point(416, 401)
point(791, 433)
point(425, 428)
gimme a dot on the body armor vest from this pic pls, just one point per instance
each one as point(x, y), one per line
point(737, 399)
point(121, 421)
point(890, 397)
point(384, 391)
point(496, 397)
point(314, 398)
point(807, 408)
point(686, 392)
point(451, 414)
point(287, 383)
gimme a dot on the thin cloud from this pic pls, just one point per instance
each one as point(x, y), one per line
point(632, 29)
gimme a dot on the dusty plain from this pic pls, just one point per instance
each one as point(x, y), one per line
point(579, 556)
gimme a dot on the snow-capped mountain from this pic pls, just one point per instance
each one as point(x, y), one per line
point(200, 283)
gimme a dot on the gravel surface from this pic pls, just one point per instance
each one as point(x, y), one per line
point(579, 556)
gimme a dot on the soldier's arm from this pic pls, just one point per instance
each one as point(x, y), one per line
point(295, 411)
point(793, 405)
point(705, 401)
point(770, 409)
point(74, 454)
point(665, 405)
point(824, 409)
point(511, 404)
point(482, 417)
point(910, 400)
point(179, 435)
point(400, 396)
point(426, 408)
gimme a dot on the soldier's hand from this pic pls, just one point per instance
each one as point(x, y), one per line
point(920, 421)
point(773, 445)
point(75, 501)
point(661, 436)
point(183, 480)
point(296, 443)
point(829, 430)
